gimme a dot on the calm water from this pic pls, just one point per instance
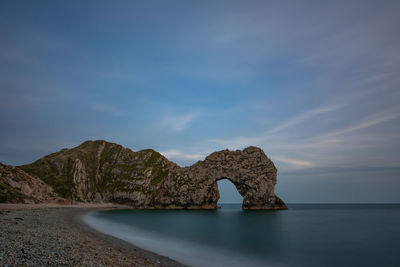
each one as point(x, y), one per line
point(305, 235)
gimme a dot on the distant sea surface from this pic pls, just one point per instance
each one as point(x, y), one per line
point(304, 235)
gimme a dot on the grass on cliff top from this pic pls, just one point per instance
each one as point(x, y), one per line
point(57, 168)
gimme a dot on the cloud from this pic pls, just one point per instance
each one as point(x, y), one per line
point(178, 123)
point(339, 138)
point(176, 154)
point(238, 142)
point(303, 117)
point(337, 147)
point(364, 124)
point(298, 164)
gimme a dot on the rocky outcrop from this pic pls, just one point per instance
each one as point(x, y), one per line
point(251, 171)
point(16, 186)
point(103, 171)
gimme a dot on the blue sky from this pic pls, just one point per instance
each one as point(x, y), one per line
point(315, 84)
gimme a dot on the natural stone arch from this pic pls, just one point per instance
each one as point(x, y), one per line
point(250, 170)
point(103, 171)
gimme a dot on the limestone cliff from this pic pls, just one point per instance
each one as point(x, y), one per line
point(16, 186)
point(103, 171)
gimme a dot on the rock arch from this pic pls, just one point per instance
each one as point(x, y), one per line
point(250, 170)
point(145, 179)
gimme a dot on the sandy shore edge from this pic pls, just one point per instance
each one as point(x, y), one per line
point(51, 234)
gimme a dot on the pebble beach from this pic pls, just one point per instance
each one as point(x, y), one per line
point(40, 235)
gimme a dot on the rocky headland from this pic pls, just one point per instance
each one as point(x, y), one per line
point(99, 171)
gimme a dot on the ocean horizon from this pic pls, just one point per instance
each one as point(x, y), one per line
point(317, 234)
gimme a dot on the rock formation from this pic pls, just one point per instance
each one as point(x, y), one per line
point(16, 186)
point(105, 172)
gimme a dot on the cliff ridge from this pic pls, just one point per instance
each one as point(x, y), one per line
point(99, 171)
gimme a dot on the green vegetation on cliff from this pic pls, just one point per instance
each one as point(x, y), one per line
point(103, 171)
point(17, 186)
point(100, 167)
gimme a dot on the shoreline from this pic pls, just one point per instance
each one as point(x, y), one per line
point(52, 234)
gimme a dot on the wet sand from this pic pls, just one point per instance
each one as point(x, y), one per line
point(54, 235)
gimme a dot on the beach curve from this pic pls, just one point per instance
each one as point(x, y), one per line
point(51, 234)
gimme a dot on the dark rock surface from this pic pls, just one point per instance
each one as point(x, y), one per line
point(99, 171)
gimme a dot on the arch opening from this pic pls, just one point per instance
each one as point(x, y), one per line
point(228, 193)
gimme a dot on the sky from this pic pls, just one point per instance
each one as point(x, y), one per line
point(315, 84)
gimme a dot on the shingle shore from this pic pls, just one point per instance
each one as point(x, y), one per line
point(55, 237)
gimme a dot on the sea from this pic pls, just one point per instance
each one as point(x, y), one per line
point(304, 235)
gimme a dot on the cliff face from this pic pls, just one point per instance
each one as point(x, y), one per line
point(16, 186)
point(102, 171)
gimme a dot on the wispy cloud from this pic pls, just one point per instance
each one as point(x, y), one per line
point(319, 150)
point(303, 117)
point(238, 142)
point(176, 154)
point(368, 122)
point(178, 122)
point(244, 141)
point(296, 163)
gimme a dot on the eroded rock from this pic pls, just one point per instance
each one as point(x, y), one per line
point(103, 171)
point(17, 186)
